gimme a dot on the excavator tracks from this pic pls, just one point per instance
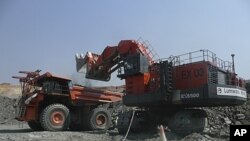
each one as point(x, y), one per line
point(182, 122)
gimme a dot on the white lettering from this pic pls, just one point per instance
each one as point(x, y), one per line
point(243, 131)
point(192, 95)
point(237, 132)
point(231, 92)
point(240, 132)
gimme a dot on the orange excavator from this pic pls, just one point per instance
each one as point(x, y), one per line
point(166, 91)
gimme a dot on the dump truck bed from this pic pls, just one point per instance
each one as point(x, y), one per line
point(86, 95)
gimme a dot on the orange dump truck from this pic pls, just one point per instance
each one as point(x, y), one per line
point(52, 103)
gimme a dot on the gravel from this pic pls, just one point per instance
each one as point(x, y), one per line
point(7, 111)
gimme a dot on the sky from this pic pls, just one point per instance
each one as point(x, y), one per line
point(47, 34)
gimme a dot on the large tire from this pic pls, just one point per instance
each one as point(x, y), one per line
point(123, 121)
point(99, 119)
point(36, 126)
point(140, 122)
point(55, 117)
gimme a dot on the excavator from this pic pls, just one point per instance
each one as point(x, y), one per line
point(170, 91)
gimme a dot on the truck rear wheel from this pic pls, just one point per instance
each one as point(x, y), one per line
point(55, 117)
point(99, 119)
point(36, 126)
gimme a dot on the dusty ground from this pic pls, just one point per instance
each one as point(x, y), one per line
point(22, 132)
point(219, 121)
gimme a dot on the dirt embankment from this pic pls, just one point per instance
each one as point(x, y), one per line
point(8, 90)
point(8, 95)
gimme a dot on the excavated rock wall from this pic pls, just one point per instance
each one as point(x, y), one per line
point(7, 111)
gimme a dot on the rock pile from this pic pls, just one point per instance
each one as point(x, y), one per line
point(220, 119)
point(7, 111)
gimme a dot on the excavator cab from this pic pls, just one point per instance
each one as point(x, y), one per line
point(133, 65)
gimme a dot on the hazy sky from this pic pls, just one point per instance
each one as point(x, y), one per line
point(46, 34)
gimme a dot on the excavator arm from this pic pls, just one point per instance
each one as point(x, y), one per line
point(100, 67)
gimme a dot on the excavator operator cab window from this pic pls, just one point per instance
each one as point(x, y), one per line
point(128, 66)
point(135, 64)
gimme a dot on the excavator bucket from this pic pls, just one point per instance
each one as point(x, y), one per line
point(86, 64)
point(81, 61)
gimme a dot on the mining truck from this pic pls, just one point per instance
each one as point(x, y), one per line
point(168, 91)
point(53, 103)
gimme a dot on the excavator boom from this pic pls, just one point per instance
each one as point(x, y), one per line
point(100, 67)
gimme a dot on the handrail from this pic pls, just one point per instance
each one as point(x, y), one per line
point(200, 55)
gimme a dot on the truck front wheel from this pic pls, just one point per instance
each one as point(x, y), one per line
point(55, 117)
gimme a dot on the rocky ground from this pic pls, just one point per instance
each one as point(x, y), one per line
point(7, 111)
point(219, 120)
